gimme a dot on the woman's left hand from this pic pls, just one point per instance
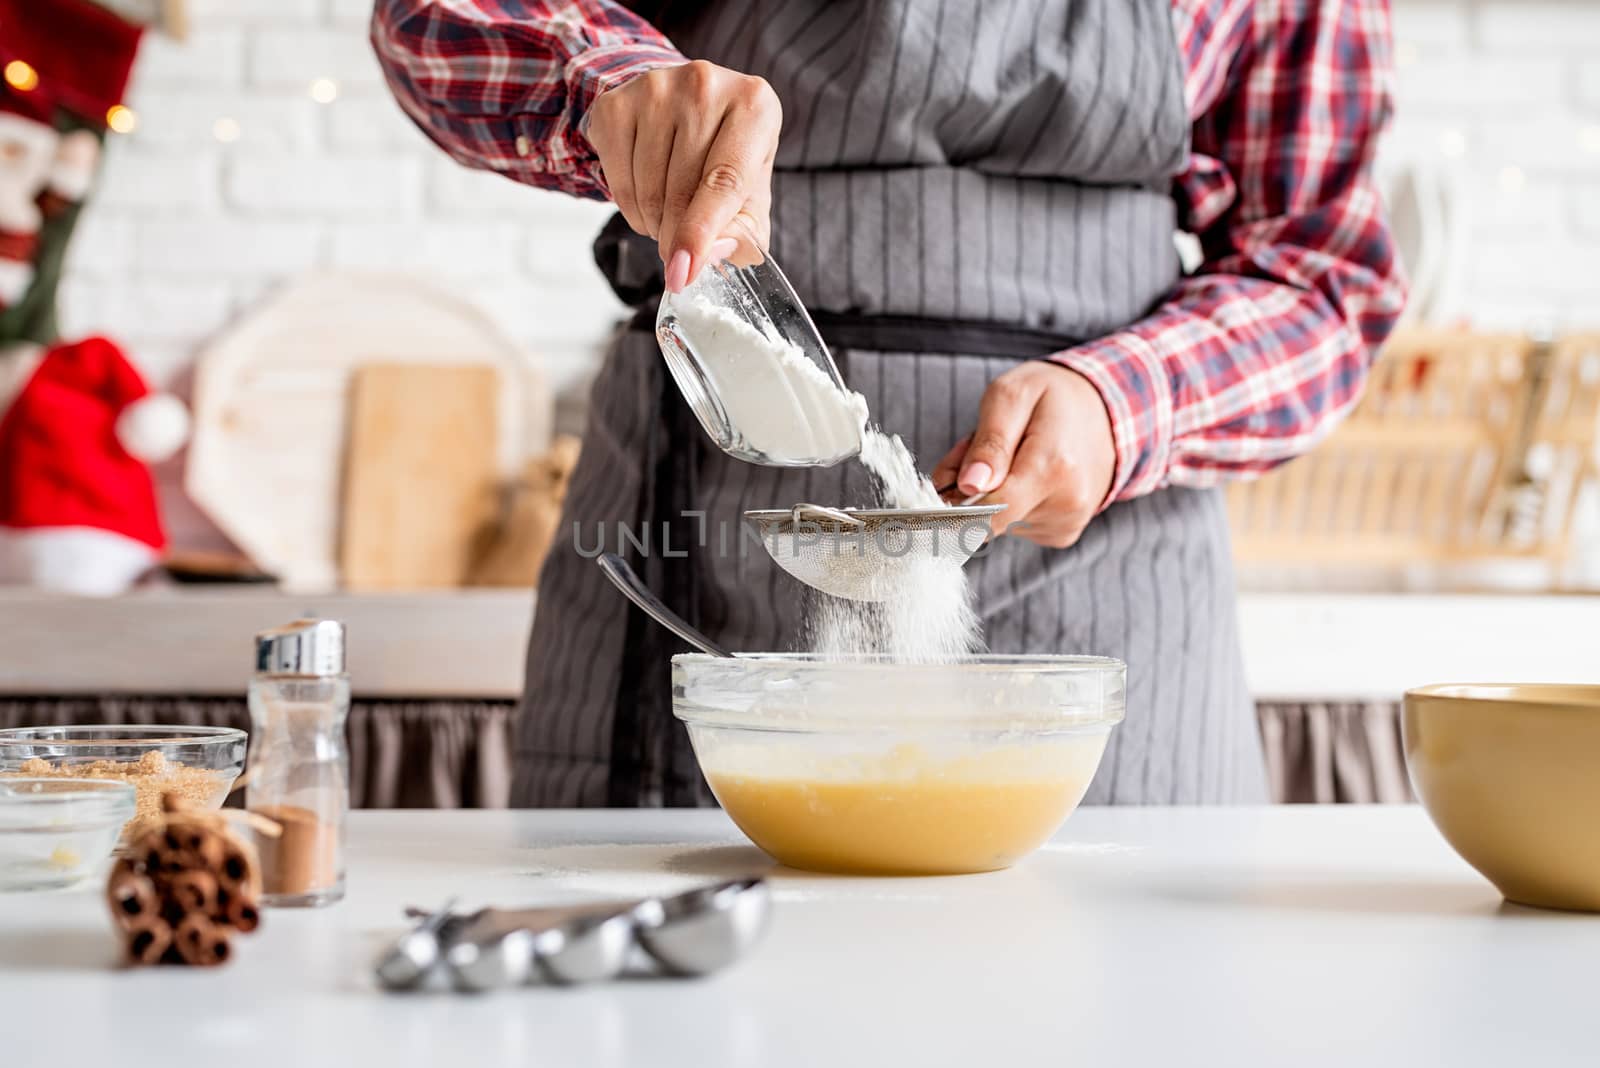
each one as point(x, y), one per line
point(1043, 448)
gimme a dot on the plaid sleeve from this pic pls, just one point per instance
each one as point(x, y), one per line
point(504, 85)
point(1255, 357)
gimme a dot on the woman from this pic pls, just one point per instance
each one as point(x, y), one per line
point(977, 200)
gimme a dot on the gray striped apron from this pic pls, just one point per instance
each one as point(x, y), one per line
point(998, 173)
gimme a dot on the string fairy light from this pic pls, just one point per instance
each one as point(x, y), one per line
point(122, 119)
point(21, 76)
point(324, 90)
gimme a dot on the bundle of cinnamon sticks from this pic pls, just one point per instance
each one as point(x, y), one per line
point(182, 888)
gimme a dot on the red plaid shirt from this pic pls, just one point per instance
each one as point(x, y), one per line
point(1249, 361)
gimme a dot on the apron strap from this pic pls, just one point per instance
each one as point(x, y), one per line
point(848, 331)
point(936, 337)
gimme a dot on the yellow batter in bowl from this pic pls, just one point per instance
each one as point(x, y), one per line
point(875, 767)
point(914, 815)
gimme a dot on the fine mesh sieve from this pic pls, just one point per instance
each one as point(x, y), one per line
point(866, 554)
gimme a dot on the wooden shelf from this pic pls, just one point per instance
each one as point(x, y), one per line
point(197, 640)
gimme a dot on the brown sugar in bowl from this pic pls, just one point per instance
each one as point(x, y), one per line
point(200, 764)
point(1510, 774)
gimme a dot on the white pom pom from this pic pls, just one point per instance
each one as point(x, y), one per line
point(153, 428)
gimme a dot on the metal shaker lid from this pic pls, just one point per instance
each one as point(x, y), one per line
point(304, 647)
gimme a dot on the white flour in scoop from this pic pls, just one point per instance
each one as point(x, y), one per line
point(784, 405)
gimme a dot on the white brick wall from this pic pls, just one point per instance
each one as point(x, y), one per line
point(293, 57)
point(1516, 84)
point(326, 186)
point(255, 11)
point(176, 120)
point(185, 230)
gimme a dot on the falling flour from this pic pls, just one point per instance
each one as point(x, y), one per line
point(792, 411)
point(928, 617)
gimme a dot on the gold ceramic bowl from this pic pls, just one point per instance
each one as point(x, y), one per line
point(1511, 777)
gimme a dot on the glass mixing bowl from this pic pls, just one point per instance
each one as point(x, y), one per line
point(198, 763)
point(55, 833)
point(869, 766)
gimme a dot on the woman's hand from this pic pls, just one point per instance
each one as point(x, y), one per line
point(686, 150)
point(1043, 447)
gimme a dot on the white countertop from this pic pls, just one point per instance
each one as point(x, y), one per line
point(471, 643)
point(1305, 936)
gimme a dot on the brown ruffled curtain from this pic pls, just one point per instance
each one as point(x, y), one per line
point(403, 754)
point(1334, 752)
point(457, 754)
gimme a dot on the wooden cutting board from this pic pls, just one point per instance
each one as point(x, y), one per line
point(420, 486)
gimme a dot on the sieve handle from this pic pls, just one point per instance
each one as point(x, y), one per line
point(802, 513)
point(623, 578)
point(967, 502)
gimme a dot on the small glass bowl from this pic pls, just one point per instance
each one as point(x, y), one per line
point(199, 763)
point(761, 297)
point(55, 833)
point(870, 766)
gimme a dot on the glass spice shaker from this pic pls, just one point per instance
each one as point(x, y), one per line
point(299, 766)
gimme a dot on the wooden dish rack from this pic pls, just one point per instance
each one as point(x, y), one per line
point(1465, 447)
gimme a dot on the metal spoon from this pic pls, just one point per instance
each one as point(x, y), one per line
point(406, 964)
point(622, 577)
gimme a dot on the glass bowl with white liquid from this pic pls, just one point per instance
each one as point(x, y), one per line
point(869, 766)
point(748, 359)
point(56, 833)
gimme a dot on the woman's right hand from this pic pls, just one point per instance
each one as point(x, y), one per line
point(687, 151)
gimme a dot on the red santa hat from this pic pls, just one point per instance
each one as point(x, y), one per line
point(76, 495)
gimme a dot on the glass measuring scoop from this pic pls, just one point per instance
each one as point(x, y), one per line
point(748, 359)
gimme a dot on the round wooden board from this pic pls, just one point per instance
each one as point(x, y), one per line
point(271, 406)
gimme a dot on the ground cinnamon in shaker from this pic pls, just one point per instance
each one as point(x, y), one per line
point(304, 858)
point(299, 764)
